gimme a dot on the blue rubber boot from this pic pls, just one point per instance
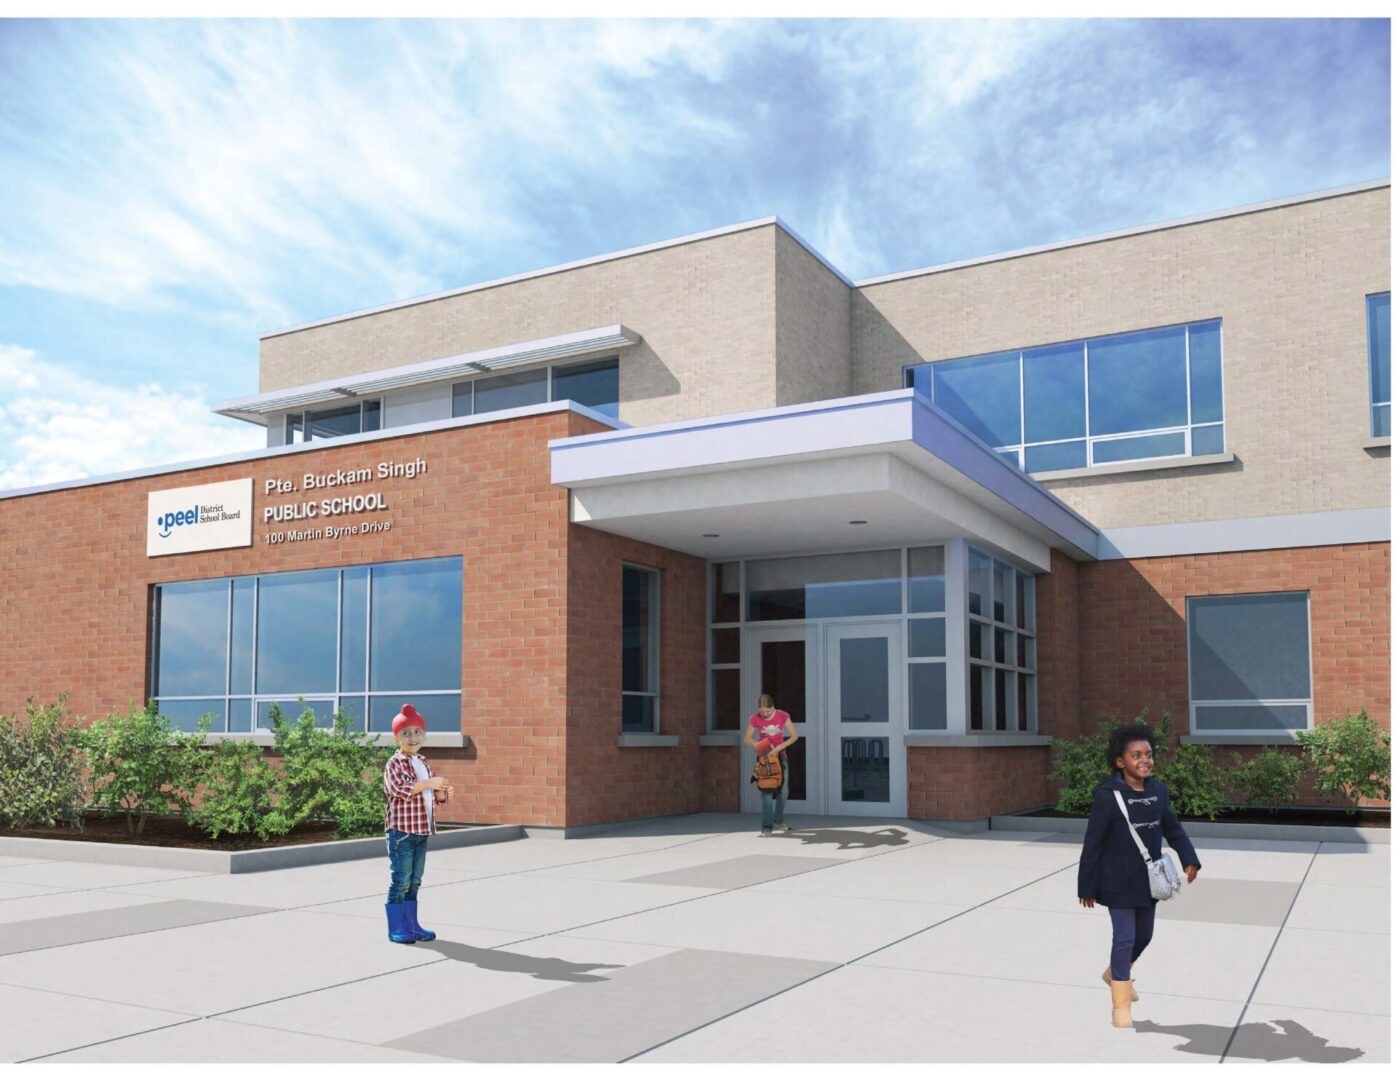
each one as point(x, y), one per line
point(411, 924)
point(397, 925)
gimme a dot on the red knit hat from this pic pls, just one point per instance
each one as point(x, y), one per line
point(408, 717)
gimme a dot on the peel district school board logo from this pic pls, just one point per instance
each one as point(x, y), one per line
point(202, 518)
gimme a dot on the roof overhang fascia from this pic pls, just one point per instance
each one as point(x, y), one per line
point(902, 423)
point(257, 407)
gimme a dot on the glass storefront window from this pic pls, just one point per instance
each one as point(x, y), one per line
point(289, 649)
point(825, 586)
point(191, 652)
point(416, 626)
point(297, 627)
point(926, 579)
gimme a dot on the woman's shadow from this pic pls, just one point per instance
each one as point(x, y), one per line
point(1277, 1040)
point(548, 968)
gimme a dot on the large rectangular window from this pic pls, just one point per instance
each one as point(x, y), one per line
point(363, 639)
point(1249, 663)
point(1380, 363)
point(640, 649)
point(317, 424)
point(1124, 397)
point(1002, 645)
point(593, 383)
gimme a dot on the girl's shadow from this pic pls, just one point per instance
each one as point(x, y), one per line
point(1277, 1040)
point(549, 968)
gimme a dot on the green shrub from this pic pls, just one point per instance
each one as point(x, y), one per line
point(1270, 779)
point(327, 774)
point(1194, 782)
point(1196, 785)
point(41, 768)
point(143, 766)
point(237, 797)
point(1080, 764)
point(1351, 758)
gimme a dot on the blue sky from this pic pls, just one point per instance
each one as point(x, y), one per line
point(168, 190)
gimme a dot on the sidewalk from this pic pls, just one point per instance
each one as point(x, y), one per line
point(681, 940)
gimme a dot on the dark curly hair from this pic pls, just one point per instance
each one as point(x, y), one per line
point(1123, 737)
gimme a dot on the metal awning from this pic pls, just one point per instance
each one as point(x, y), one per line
point(257, 407)
point(879, 470)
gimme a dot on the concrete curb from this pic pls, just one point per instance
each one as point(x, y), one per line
point(1334, 834)
point(239, 862)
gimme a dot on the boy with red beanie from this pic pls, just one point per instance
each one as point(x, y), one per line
point(413, 794)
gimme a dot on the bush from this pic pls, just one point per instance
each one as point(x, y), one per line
point(143, 766)
point(327, 774)
point(238, 791)
point(41, 767)
point(1270, 779)
point(1352, 758)
point(1195, 784)
point(1081, 765)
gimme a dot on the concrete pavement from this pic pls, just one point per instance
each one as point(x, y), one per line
point(687, 940)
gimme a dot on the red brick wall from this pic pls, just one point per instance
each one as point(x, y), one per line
point(722, 789)
point(1135, 648)
point(961, 783)
point(74, 595)
point(607, 782)
point(1059, 636)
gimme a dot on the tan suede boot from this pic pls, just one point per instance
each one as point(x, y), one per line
point(1106, 978)
point(1120, 1003)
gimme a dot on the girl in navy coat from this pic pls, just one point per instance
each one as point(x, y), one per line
point(1111, 869)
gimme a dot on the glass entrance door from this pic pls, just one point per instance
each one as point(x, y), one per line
point(866, 772)
point(784, 662)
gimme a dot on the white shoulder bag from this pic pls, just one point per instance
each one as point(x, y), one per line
point(1165, 883)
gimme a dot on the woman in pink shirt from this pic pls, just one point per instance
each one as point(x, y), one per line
point(772, 726)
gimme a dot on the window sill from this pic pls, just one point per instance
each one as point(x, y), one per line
point(632, 738)
point(1007, 739)
point(1155, 465)
point(1260, 738)
point(1378, 442)
point(450, 739)
point(721, 738)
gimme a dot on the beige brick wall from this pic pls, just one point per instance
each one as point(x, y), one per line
point(705, 311)
point(812, 327)
point(1288, 284)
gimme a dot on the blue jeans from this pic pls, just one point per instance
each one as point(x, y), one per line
point(407, 858)
point(1131, 930)
point(778, 798)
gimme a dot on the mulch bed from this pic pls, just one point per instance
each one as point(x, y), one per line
point(171, 831)
point(1364, 819)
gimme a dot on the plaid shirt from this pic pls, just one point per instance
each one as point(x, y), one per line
point(407, 813)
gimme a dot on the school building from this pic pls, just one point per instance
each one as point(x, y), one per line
point(582, 517)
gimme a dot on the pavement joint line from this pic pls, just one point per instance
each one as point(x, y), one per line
point(530, 870)
point(114, 1038)
point(318, 989)
point(1269, 953)
point(533, 937)
point(841, 966)
point(711, 893)
point(141, 933)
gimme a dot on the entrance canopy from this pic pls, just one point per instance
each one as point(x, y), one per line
point(872, 471)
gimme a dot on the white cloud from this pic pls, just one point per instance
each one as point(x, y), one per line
point(234, 162)
point(62, 426)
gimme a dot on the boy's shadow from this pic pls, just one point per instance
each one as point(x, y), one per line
point(549, 968)
point(1260, 1041)
point(849, 839)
